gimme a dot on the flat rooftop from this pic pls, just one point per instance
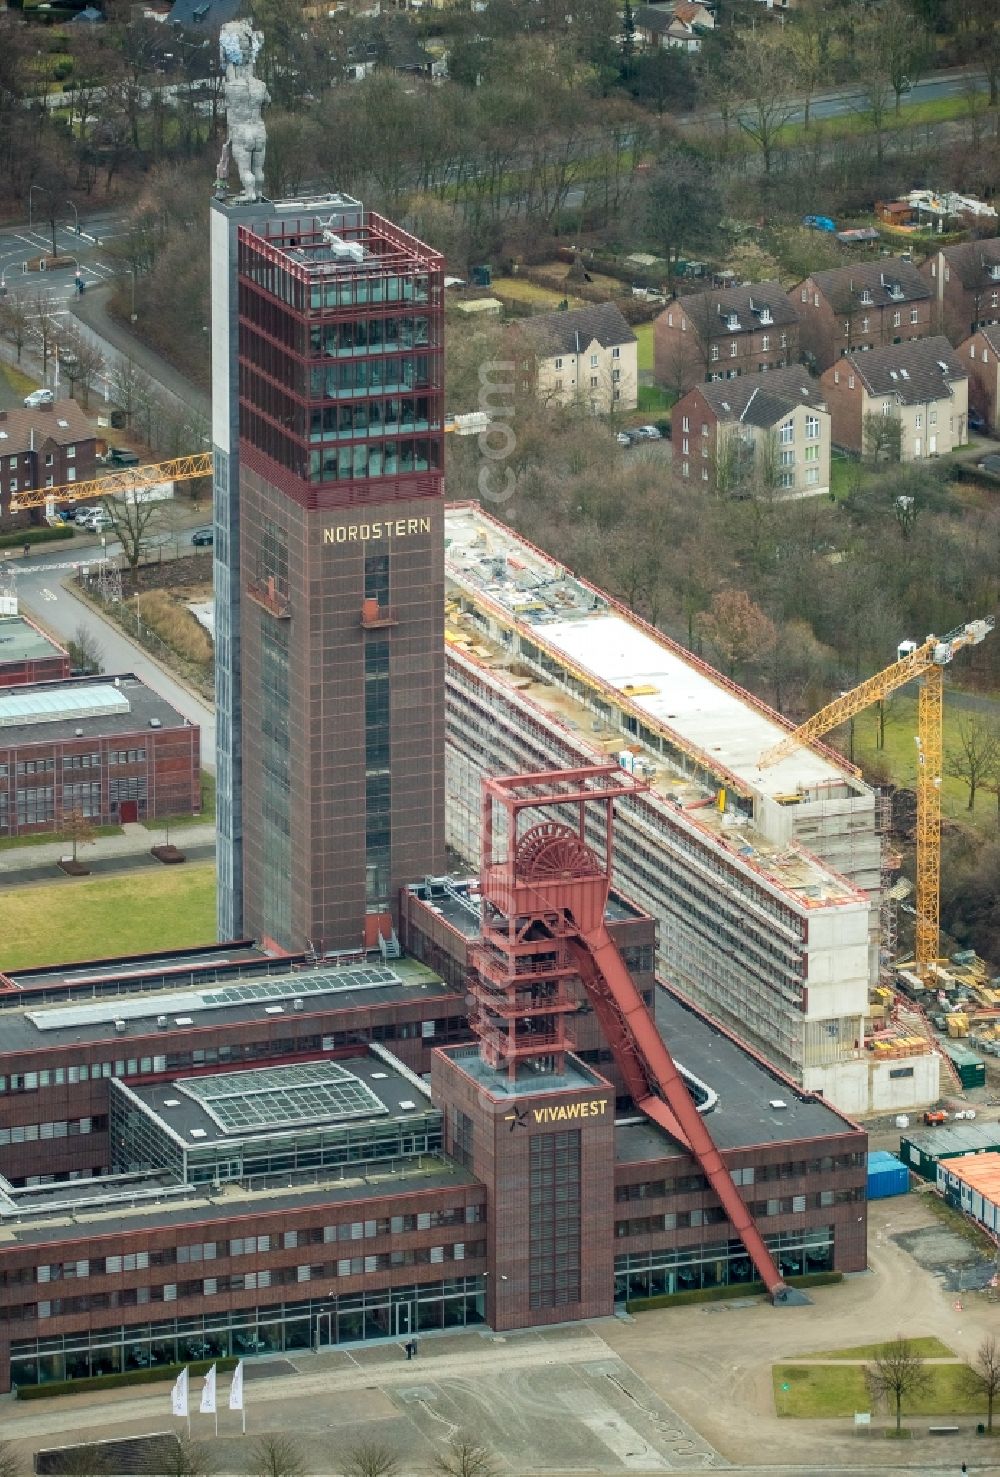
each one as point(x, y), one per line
point(80, 708)
point(21, 641)
point(124, 973)
point(793, 869)
point(685, 699)
point(576, 1076)
point(201, 1205)
point(33, 1027)
point(223, 1107)
point(743, 1116)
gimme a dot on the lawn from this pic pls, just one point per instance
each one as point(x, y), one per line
point(820, 1391)
point(129, 913)
point(20, 384)
point(900, 754)
point(928, 1348)
point(644, 333)
point(651, 397)
point(520, 290)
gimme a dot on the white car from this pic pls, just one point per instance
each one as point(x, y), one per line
point(95, 522)
point(38, 397)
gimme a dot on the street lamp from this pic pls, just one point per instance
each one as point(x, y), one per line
point(133, 295)
point(31, 192)
point(76, 214)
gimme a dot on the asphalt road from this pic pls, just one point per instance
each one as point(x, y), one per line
point(942, 84)
point(53, 605)
point(22, 243)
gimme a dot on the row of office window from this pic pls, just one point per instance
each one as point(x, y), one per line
point(192, 1253)
point(32, 1133)
point(713, 1215)
point(170, 1292)
point(446, 1029)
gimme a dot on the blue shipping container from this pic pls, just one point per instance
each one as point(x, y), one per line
point(887, 1175)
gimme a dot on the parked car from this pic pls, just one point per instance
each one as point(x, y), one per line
point(38, 397)
point(976, 421)
point(647, 433)
point(95, 522)
point(203, 538)
point(79, 512)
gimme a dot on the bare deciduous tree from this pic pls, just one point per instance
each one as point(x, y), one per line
point(738, 629)
point(974, 755)
point(276, 1456)
point(15, 320)
point(983, 1375)
point(767, 69)
point(133, 522)
point(895, 1375)
point(369, 1459)
point(466, 1458)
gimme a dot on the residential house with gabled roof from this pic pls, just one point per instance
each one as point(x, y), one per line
point(867, 305)
point(724, 333)
point(766, 431)
point(679, 27)
point(980, 357)
point(47, 446)
point(965, 282)
point(587, 356)
point(924, 385)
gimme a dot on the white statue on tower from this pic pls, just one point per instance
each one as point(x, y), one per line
point(246, 96)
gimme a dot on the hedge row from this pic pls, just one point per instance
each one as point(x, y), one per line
point(723, 1294)
point(161, 1373)
point(42, 535)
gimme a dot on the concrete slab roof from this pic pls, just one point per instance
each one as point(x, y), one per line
point(680, 695)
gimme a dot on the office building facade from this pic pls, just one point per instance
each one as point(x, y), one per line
point(328, 396)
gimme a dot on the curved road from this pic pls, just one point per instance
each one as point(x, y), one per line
point(45, 592)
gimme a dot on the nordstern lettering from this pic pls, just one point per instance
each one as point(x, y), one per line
point(364, 533)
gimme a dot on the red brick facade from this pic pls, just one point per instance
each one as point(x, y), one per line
point(722, 334)
point(859, 308)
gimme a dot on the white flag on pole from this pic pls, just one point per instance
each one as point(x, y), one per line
point(207, 1406)
point(236, 1388)
point(179, 1394)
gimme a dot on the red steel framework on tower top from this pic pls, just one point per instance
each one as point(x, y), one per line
point(544, 898)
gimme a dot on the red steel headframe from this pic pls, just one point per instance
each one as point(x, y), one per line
point(547, 880)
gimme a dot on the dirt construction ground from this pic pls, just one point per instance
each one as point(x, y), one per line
point(682, 1390)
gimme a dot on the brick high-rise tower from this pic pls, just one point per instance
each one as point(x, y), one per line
point(328, 431)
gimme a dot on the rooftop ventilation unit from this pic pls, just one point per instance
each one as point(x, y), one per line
point(120, 1028)
point(298, 1003)
point(777, 1103)
point(155, 723)
point(407, 1104)
point(161, 1023)
point(171, 1102)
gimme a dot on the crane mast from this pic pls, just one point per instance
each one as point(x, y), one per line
point(925, 663)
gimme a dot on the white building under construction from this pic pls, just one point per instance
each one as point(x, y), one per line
point(765, 882)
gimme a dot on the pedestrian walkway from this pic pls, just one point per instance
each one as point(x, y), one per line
point(35, 863)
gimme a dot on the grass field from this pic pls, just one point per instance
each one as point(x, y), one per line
point(819, 1391)
point(644, 333)
point(520, 290)
point(94, 917)
point(19, 383)
point(900, 754)
point(927, 1348)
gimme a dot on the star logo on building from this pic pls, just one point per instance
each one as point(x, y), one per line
point(517, 1119)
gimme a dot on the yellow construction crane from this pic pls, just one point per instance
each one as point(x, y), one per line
point(114, 484)
point(926, 662)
